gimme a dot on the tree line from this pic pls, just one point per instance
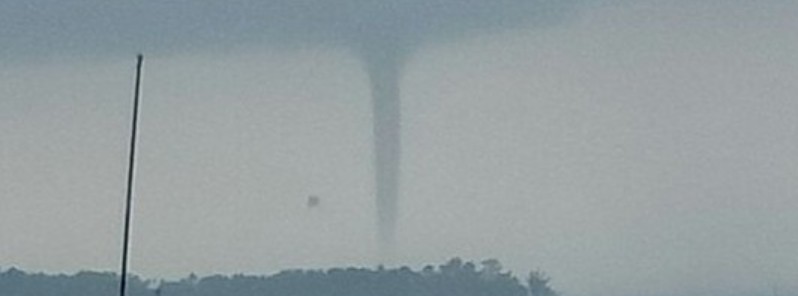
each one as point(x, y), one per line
point(455, 277)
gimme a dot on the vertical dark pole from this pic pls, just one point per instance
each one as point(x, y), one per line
point(131, 166)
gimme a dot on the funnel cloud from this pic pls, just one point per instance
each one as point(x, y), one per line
point(384, 71)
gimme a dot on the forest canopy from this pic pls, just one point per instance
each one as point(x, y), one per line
point(456, 277)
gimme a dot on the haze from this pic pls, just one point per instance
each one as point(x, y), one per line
point(642, 148)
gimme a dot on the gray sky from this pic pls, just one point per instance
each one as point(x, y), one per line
point(643, 148)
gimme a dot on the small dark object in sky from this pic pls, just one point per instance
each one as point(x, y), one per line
point(313, 201)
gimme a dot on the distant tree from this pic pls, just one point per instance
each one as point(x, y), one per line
point(538, 284)
point(452, 268)
point(491, 269)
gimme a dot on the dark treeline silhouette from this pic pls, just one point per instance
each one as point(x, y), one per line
point(14, 282)
point(455, 277)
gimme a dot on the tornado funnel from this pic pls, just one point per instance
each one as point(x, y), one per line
point(383, 65)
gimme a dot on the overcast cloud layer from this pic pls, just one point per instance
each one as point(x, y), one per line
point(100, 27)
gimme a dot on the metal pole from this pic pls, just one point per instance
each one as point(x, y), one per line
point(131, 166)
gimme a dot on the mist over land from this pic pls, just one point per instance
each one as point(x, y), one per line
point(381, 34)
point(638, 149)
